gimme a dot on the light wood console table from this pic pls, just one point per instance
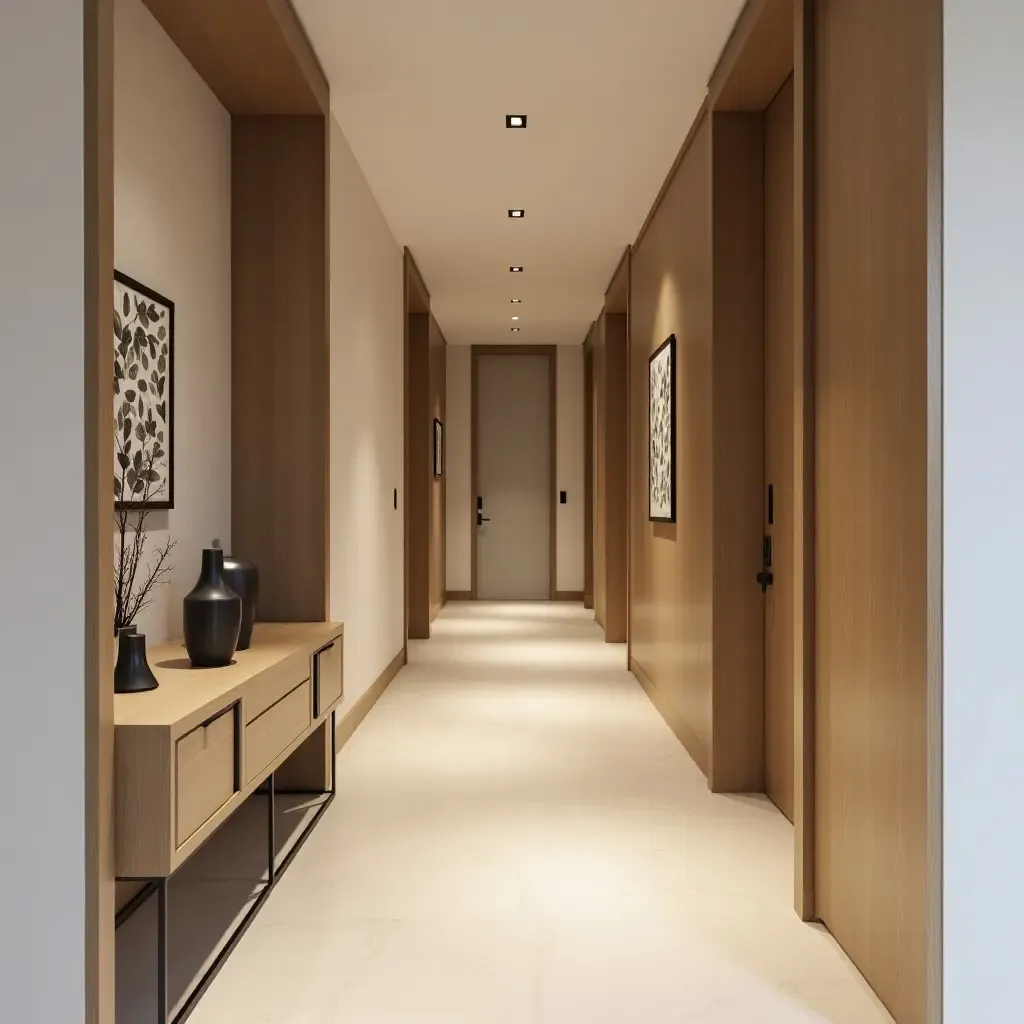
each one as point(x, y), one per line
point(189, 753)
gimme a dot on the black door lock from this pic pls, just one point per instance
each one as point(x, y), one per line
point(765, 579)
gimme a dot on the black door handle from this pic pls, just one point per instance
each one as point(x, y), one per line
point(765, 579)
point(481, 519)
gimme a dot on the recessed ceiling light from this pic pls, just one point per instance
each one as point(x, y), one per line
point(515, 120)
point(515, 270)
point(517, 300)
point(515, 318)
point(517, 214)
point(515, 330)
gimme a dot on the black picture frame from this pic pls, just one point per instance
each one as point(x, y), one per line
point(438, 448)
point(166, 500)
point(662, 365)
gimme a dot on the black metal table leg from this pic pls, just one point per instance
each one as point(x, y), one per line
point(334, 753)
point(271, 837)
point(161, 951)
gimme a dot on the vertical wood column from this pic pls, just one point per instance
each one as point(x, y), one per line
point(419, 443)
point(614, 441)
point(280, 371)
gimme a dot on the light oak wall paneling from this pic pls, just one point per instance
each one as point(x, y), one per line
point(780, 433)
point(671, 564)
point(270, 68)
point(419, 489)
point(438, 491)
point(280, 367)
point(756, 59)
point(512, 350)
point(457, 468)
point(570, 471)
point(98, 261)
point(737, 746)
point(588, 470)
point(613, 444)
point(804, 573)
point(872, 324)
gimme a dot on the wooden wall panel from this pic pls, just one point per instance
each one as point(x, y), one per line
point(871, 517)
point(600, 473)
point(615, 440)
point(670, 564)
point(279, 399)
point(419, 486)
point(737, 757)
point(780, 431)
point(438, 364)
point(588, 473)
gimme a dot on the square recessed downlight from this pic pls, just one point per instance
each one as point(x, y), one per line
point(517, 214)
point(515, 330)
point(517, 300)
point(515, 270)
point(515, 120)
point(515, 318)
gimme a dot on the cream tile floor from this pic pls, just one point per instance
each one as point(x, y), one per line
point(519, 838)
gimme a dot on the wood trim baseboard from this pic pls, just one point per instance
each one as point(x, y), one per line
point(353, 718)
point(575, 596)
point(689, 740)
point(459, 595)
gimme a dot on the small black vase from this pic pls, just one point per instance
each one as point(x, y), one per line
point(244, 579)
point(213, 615)
point(132, 673)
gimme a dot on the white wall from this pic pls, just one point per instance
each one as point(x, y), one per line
point(42, 500)
point(983, 511)
point(367, 425)
point(172, 231)
point(570, 467)
point(458, 435)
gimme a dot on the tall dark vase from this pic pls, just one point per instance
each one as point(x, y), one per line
point(213, 615)
point(132, 673)
point(244, 579)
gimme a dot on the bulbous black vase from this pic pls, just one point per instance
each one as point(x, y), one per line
point(213, 615)
point(244, 579)
point(132, 673)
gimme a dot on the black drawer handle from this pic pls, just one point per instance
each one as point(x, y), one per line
point(217, 714)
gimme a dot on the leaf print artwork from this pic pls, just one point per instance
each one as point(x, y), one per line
point(662, 497)
point(143, 339)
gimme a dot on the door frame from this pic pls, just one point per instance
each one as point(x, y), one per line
point(551, 352)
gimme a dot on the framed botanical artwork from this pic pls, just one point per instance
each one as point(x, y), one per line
point(143, 396)
point(438, 448)
point(662, 398)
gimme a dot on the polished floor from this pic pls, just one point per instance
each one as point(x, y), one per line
point(519, 838)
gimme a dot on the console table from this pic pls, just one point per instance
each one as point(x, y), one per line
point(189, 753)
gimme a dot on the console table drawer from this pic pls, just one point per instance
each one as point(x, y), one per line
point(327, 673)
point(276, 728)
point(205, 772)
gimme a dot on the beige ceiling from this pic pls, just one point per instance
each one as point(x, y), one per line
point(421, 89)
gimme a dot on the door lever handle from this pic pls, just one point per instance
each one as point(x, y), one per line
point(481, 519)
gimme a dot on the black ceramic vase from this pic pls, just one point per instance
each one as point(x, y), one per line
point(132, 673)
point(213, 615)
point(244, 579)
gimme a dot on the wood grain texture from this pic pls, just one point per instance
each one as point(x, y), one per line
point(419, 482)
point(97, 638)
point(328, 676)
point(513, 350)
point(599, 385)
point(804, 571)
point(737, 751)
point(757, 58)
point(872, 123)
point(670, 578)
point(351, 717)
point(614, 442)
point(438, 489)
point(267, 736)
point(205, 762)
point(779, 447)
point(253, 54)
point(588, 470)
point(280, 328)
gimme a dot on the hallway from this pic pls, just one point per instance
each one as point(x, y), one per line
point(518, 837)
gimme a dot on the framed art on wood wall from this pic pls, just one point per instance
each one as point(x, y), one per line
point(143, 396)
point(662, 464)
point(438, 448)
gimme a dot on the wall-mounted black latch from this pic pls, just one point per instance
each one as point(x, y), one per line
point(765, 579)
point(771, 504)
point(396, 499)
point(480, 517)
point(562, 497)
